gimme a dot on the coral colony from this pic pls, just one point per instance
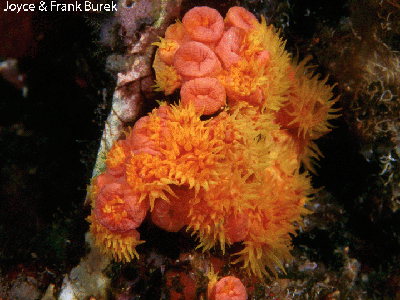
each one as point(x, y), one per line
point(235, 177)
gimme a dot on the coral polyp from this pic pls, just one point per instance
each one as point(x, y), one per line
point(234, 177)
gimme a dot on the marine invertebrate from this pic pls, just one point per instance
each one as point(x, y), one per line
point(307, 111)
point(235, 177)
point(167, 50)
point(176, 32)
point(119, 245)
point(139, 139)
point(172, 215)
point(228, 288)
point(207, 94)
point(203, 24)
point(117, 207)
point(194, 59)
point(241, 18)
point(308, 107)
point(168, 79)
point(229, 46)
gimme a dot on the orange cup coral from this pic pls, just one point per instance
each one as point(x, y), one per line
point(172, 215)
point(203, 24)
point(194, 59)
point(229, 46)
point(241, 18)
point(234, 178)
point(207, 94)
point(228, 288)
point(117, 207)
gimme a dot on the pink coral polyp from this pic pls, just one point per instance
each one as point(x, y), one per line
point(237, 226)
point(228, 47)
point(194, 59)
point(117, 207)
point(203, 24)
point(240, 17)
point(207, 94)
point(140, 140)
point(172, 215)
point(230, 288)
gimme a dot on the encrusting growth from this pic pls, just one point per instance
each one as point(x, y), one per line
point(234, 178)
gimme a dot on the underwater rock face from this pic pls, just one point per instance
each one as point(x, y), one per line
point(230, 179)
point(87, 279)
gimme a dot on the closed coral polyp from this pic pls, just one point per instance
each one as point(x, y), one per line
point(230, 288)
point(194, 59)
point(117, 207)
point(207, 94)
point(237, 226)
point(203, 24)
point(145, 135)
point(263, 58)
point(229, 46)
point(172, 215)
point(176, 32)
point(240, 17)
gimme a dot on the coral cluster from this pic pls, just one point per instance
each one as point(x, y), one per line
point(234, 177)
